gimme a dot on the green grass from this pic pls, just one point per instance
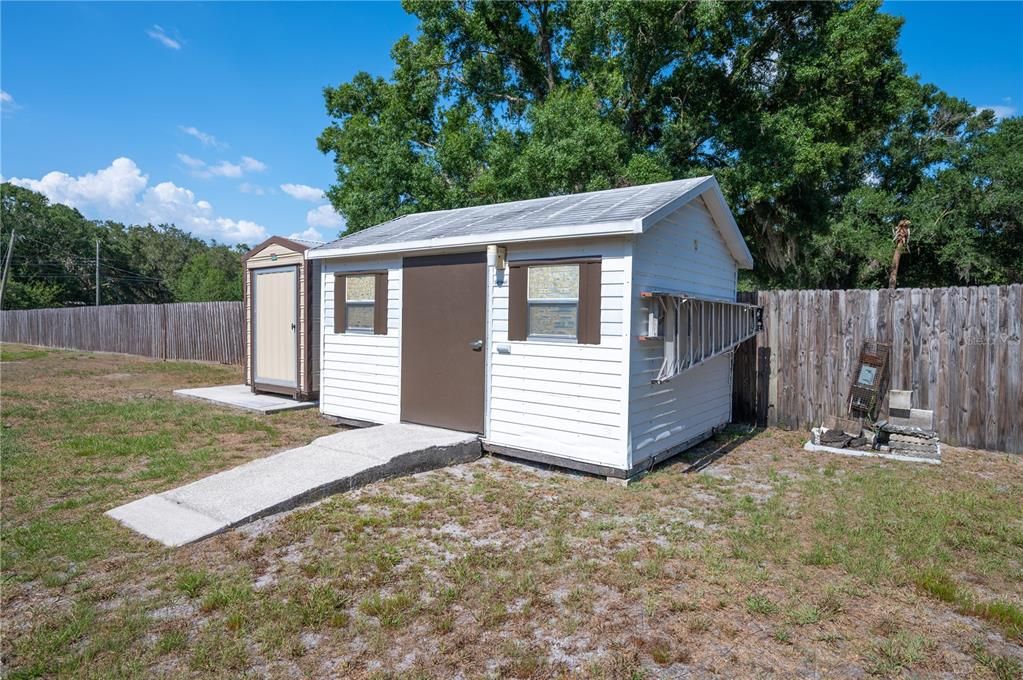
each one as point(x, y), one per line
point(392, 611)
point(1001, 667)
point(941, 586)
point(898, 652)
point(760, 604)
point(485, 565)
point(8, 353)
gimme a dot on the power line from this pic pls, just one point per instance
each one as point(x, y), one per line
point(90, 260)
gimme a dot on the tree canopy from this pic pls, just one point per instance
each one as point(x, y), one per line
point(53, 263)
point(803, 111)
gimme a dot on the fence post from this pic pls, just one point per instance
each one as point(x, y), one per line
point(163, 327)
point(763, 380)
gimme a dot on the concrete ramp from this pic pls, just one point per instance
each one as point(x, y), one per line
point(331, 464)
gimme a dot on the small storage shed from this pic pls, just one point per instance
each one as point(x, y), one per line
point(592, 331)
point(282, 320)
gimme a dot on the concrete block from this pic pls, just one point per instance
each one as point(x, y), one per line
point(921, 418)
point(901, 400)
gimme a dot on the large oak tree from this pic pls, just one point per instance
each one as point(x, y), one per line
point(795, 107)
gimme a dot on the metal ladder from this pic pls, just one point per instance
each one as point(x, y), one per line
point(695, 329)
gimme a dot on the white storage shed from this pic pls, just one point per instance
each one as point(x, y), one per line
point(592, 331)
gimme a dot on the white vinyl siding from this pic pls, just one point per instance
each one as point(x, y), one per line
point(561, 398)
point(362, 371)
point(666, 258)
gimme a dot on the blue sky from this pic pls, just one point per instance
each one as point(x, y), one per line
point(207, 114)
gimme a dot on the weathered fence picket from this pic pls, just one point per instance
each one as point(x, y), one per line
point(958, 349)
point(191, 331)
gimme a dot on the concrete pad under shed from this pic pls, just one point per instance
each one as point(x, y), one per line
point(241, 396)
point(331, 464)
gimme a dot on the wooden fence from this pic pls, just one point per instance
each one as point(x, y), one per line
point(190, 331)
point(958, 349)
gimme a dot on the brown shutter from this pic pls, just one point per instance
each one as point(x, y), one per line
point(589, 303)
point(517, 308)
point(380, 304)
point(340, 288)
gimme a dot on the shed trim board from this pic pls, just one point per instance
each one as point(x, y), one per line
point(585, 406)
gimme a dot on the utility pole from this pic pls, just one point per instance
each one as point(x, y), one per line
point(97, 272)
point(7, 268)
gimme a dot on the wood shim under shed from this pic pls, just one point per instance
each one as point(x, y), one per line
point(810, 446)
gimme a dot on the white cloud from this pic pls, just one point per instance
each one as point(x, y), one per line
point(303, 192)
point(113, 188)
point(194, 163)
point(310, 234)
point(325, 217)
point(158, 34)
point(201, 168)
point(225, 169)
point(250, 164)
point(7, 103)
point(1000, 110)
point(169, 203)
point(206, 138)
point(250, 188)
point(122, 192)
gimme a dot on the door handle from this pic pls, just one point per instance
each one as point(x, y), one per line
point(476, 345)
point(292, 326)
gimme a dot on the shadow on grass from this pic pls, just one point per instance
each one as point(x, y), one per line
point(714, 449)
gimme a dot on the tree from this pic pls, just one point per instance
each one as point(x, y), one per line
point(51, 263)
point(54, 258)
point(215, 274)
point(957, 175)
point(500, 101)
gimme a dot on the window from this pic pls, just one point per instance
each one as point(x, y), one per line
point(359, 298)
point(360, 303)
point(553, 301)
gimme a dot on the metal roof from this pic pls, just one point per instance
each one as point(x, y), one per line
point(613, 211)
point(595, 207)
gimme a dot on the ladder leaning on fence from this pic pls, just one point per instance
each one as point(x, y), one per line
point(694, 330)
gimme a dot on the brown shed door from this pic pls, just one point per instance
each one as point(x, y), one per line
point(443, 327)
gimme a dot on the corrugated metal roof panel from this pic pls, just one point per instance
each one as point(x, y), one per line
point(595, 207)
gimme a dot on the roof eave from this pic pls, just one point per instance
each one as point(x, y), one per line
point(623, 228)
point(277, 240)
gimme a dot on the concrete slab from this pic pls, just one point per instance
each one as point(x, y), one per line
point(810, 446)
point(241, 396)
point(332, 464)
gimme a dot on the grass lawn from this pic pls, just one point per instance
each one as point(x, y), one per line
point(768, 561)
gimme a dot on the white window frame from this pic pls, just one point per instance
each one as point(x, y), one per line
point(359, 303)
point(546, 337)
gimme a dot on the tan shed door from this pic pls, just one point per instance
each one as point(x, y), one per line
point(276, 326)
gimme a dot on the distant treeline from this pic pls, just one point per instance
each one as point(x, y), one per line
point(54, 260)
